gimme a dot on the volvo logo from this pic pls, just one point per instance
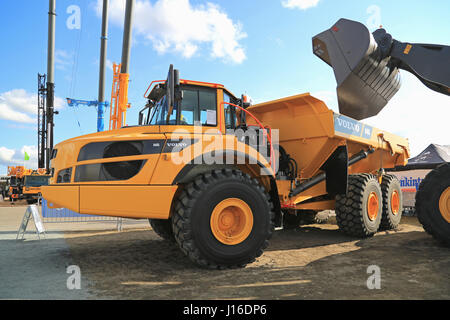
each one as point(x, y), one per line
point(348, 125)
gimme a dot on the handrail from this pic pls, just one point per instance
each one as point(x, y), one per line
point(151, 83)
point(257, 121)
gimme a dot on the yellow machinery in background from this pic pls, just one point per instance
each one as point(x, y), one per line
point(26, 183)
point(216, 175)
point(16, 174)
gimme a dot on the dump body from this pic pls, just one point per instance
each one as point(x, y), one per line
point(310, 133)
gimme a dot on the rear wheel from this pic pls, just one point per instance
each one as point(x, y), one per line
point(433, 203)
point(163, 228)
point(392, 202)
point(223, 219)
point(358, 213)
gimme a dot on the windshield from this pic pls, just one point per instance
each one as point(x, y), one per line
point(36, 181)
point(159, 113)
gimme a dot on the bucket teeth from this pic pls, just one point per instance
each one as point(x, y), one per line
point(366, 79)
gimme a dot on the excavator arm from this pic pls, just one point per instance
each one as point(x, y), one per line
point(366, 66)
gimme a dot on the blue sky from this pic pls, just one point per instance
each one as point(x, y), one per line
point(260, 47)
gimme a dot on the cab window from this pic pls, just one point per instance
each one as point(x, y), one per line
point(198, 104)
point(189, 106)
point(207, 104)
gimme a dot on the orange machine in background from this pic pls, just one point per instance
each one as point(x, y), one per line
point(26, 183)
point(119, 99)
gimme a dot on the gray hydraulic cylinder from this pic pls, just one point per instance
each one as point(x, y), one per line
point(126, 44)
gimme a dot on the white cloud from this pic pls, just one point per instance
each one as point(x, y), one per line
point(329, 97)
point(21, 106)
point(21, 100)
point(13, 157)
point(299, 4)
point(6, 155)
point(109, 64)
point(63, 59)
point(176, 25)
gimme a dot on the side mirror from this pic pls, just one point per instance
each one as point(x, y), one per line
point(141, 117)
point(170, 87)
point(172, 84)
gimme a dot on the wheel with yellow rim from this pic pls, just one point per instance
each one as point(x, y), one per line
point(223, 219)
point(433, 203)
point(392, 202)
point(359, 212)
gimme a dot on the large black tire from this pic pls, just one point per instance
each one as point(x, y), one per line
point(194, 209)
point(352, 209)
point(163, 228)
point(392, 208)
point(431, 191)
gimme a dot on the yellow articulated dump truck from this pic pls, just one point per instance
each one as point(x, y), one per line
point(217, 175)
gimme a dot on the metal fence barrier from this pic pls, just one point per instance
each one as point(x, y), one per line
point(50, 215)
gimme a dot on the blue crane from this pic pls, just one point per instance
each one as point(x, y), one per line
point(100, 109)
point(101, 104)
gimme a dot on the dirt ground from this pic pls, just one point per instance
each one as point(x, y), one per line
point(7, 203)
point(311, 262)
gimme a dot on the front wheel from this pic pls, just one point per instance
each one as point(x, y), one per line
point(223, 219)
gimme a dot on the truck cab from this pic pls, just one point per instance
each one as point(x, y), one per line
point(116, 172)
point(32, 184)
point(195, 104)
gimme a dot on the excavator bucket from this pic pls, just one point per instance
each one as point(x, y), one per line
point(366, 78)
